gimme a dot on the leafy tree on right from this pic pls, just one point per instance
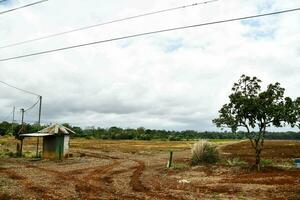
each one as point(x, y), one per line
point(255, 110)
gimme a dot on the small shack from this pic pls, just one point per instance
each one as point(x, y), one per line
point(56, 139)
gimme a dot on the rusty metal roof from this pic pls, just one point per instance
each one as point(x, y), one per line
point(35, 135)
point(56, 129)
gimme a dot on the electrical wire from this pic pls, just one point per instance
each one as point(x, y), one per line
point(24, 6)
point(31, 107)
point(26, 91)
point(104, 23)
point(148, 33)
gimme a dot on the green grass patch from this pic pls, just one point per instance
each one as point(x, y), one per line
point(235, 162)
point(5, 154)
point(266, 162)
point(223, 140)
point(180, 166)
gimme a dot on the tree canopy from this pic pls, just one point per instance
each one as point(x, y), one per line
point(255, 110)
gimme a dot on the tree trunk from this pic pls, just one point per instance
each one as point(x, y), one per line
point(259, 145)
point(257, 159)
point(21, 148)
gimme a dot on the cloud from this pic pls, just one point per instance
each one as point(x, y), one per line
point(176, 80)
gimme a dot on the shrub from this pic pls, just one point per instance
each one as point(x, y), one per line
point(173, 138)
point(204, 152)
point(235, 162)
point(266, 162)
point(8, 154)
point(179, 166)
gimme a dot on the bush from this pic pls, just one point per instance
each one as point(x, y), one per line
point(204, 152)
point(179, 166)
point(266, 162)
point(235, 162)
point(173, 138)
point(8, 154)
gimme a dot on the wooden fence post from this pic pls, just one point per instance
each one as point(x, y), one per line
point(170, 159)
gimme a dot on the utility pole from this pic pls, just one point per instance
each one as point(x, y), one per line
point(39, 125)
point(22, 131)
point(22, 120)
point(40, 108)
point(13, 120)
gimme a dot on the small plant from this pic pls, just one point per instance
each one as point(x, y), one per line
point(28, 154)
point(235, 162)
point(204, 152)
point(11, 154)
point(179, 166)
point(266, 162)
point(7, 154)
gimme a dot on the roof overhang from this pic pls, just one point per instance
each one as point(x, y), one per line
point(35, 135)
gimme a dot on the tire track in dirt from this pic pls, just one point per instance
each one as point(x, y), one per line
point(98, 173)
point(68, 175)
point(95, 155)
point(109, 178)
point(135, 180)
point(12, 174)
point(98, 181)
point(93, 181)
point(93, 184)
point(90, 183)
point(41, 191)
point(138, 186)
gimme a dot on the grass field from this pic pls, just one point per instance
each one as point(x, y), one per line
point(104, 169)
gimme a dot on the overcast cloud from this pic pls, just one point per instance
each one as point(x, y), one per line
point(177, 80)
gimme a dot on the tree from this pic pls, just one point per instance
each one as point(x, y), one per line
point(296, 120)
point(5, 127)
point(256, 110)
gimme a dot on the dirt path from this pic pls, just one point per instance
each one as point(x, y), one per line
point(135, 180)
point(132, 175)
point(90, 185)
point(38, 190)
point(115, 175)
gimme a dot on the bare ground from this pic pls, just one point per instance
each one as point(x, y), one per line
point(137, 170)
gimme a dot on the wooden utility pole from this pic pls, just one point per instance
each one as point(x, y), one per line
point(22, 131)
point(22, 119)
point(13, 120)
point(39, 125)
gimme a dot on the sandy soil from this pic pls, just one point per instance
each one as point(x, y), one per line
point(137, 171)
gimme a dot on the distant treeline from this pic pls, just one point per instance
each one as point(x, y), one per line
point(115, 133)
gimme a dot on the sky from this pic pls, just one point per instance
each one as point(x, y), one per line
point(176, 80)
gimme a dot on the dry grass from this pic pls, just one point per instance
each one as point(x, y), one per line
point(134, 146)
point(137, 170)
point(129, 145)
point(278, 151)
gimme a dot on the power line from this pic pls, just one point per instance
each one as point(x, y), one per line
point(105, 23)
point(31, 107)
point(147, 33)
point(24, 6)
point(26, 91)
